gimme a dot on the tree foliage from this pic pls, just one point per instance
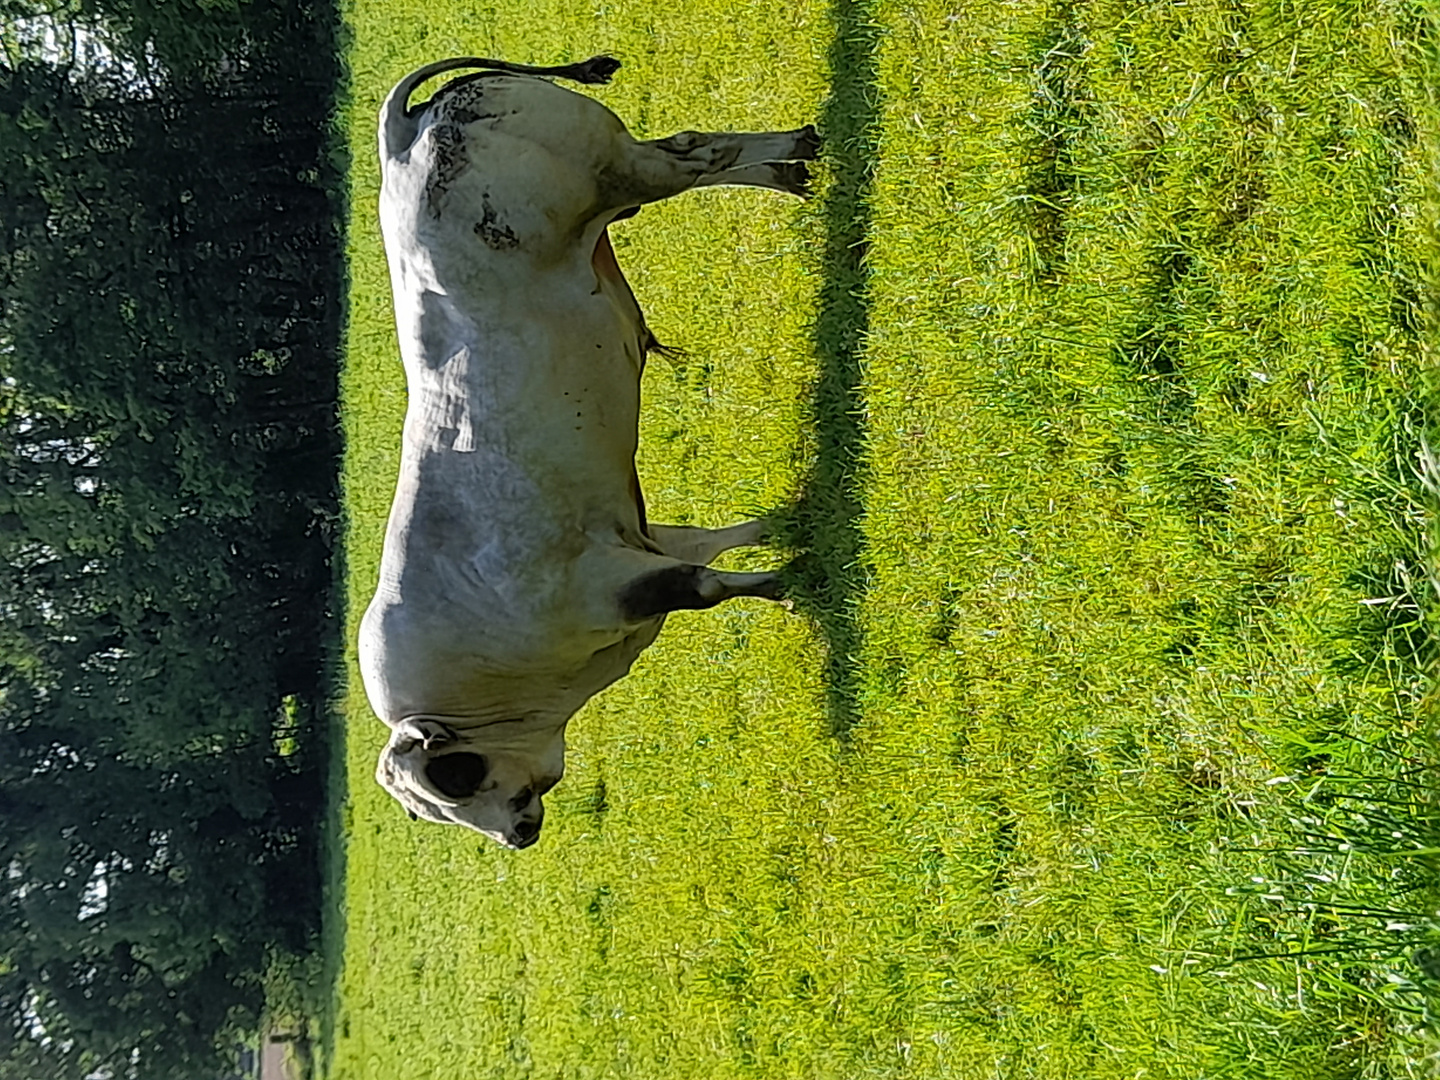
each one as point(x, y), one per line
point(169, 309)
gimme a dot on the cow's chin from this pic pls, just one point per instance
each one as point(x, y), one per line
point(506, 829)
point(500, 799)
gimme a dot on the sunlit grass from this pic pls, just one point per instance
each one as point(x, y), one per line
point(1092, 391)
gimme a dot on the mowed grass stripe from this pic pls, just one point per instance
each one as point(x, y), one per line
point(1082, 576)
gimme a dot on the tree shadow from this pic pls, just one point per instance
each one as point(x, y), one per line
point(828, 579)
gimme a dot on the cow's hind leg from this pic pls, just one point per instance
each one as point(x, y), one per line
point(704, 546)
point(791, 177)
point(691, 587)
point(649, 171)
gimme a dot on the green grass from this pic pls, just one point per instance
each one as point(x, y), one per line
point(1093, 391)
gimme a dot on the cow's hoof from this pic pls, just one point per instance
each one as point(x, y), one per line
point(770, 587)
point(794, 177)
point(807, 143)
point(767, 531)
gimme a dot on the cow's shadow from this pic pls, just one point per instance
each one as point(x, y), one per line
point(828, 577)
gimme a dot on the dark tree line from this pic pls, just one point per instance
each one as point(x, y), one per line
point(170, 296)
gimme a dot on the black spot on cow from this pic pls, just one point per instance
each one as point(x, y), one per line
point(462, 101)
point(457, 775)
point(465, 94)
point(495, 233)
point(449, 161)
point(673, 589)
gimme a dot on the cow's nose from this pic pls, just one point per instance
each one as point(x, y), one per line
point(526, 833)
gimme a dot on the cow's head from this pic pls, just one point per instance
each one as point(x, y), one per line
point(489, 781)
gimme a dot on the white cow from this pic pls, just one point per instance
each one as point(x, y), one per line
point(520, 576)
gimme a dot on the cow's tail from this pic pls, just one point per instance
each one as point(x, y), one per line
point(399, 124)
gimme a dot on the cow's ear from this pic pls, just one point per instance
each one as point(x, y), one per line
point(431, 734)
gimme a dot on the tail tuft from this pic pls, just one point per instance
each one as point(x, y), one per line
point(597, 70)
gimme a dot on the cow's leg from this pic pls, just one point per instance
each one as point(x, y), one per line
point(610, 580)
point(690, 587)
point(649, 171)
point(791, 177)
point(714, 151)
point(703, 546)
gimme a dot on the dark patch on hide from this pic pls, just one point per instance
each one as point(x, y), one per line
point(659, 592)
point(448, 162)
point(462, 101)
point(619, 187)
point(457, 775)
point(446, 531)
point(466, 91)
point(689, 586)
point(465, 94)
point(497, 235)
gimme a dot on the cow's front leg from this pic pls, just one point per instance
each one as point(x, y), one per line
point(704, 546)
point(648, 171)
point(689, 587)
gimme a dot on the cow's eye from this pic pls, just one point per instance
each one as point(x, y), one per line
point(457, 775)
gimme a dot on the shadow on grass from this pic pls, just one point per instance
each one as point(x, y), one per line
point(828, 578)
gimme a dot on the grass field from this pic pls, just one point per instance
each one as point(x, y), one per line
point(1092, 389)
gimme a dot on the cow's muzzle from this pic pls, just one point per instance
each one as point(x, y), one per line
point(525, 833)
